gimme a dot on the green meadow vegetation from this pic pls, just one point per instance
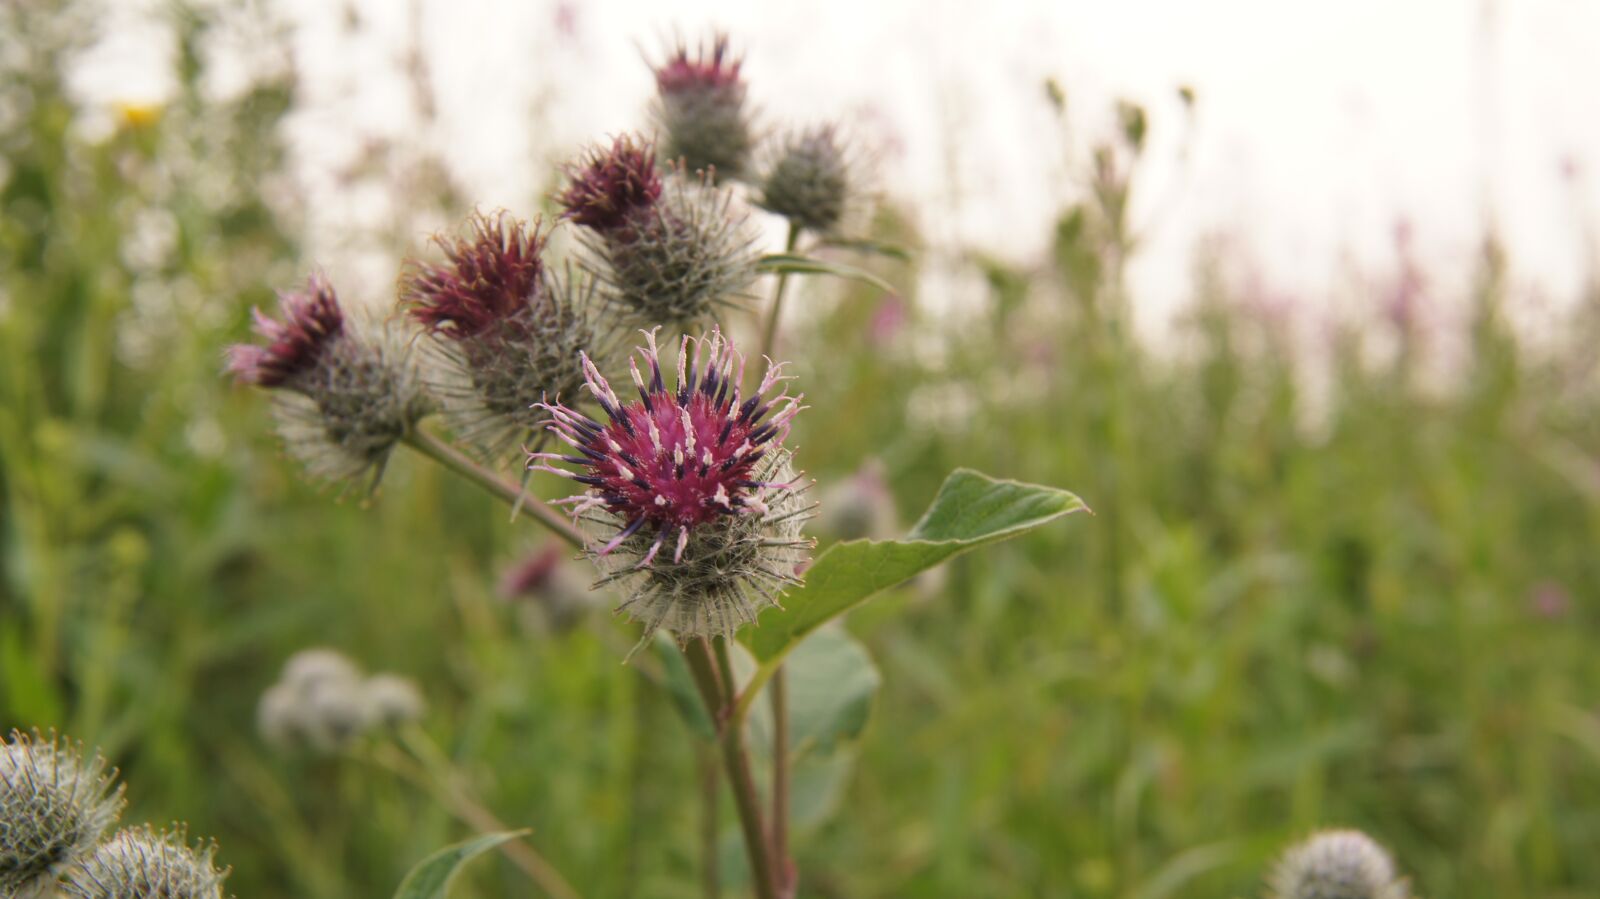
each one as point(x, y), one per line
point(1361, 596)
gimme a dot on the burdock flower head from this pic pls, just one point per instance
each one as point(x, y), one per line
point(700, 105)
point(809, 179)
point(348, 388)
point(692, 502)
point(1337, 864)
point(54, 807)
point(670, 251)
point(507, 331)
point(141, 863)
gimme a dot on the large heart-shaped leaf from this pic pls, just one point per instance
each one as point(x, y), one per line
point(970, 510)
point(431, 878)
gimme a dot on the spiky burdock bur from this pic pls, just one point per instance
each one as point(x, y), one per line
point(809, 179)
point(1337, 864)
point(700, 106)
point(506, 331)
point(347, 387)
point(672, 251)
point(141, 863)
point(55, 805)
point(692, 503)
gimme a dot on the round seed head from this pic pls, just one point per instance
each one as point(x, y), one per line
point(679, 261)
point(506, 330)
point(610, 185)
point(1337, 864)
point(335, 715)
point(691, 503)
point(809, 179)
point(393, 700)
point(54, 807)
point(310, 667)
point(140, 863)
point(700, 105)
point(348, 387)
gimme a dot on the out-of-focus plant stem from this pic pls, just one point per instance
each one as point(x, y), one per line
point(443, 453)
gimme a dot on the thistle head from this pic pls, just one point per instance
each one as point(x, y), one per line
point(141, 863)
point(700, 105)
point(506, 330)
point(610, 184)
point(295, 347)
point(348, 387)
point(808, 179)
point(1337, 864)
point(55, 805)
point(679, 261)
point(690, 495)
point(491, 273)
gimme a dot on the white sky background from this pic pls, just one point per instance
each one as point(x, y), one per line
point(1319, 125)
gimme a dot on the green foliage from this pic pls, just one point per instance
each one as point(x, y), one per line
point(432, 877)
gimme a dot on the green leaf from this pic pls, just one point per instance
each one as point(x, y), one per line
point(795, 264)
point(868, 245)
point(431, 878)
point(681, 687)
point(831, 683)
point(971, 509)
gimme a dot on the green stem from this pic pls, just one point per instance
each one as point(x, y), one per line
point(779, 694)
point(736, 764)
point(443, 453)
point(710, 827)
point(769, 337)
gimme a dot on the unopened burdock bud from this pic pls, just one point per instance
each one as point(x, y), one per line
point(55, 805)
point(141, 863)
point(809, 179)
point(1337, 864)
point(505, 330)
point(700, 107)
point(347, 386)
point(673, 251)
point(692, 504)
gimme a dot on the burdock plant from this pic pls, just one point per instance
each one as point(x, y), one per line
point(675, 250)
point(143, 863)
point(1337, 864)
point(700, 107)
point(55, 805)
point(691, 505)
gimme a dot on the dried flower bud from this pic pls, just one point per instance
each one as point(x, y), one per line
point(140, 863)
point(808, 180)
point(1337, 864)
point(700, 105)
point(677, 260)
point(55, 805)
point(691, 497)
point(507, 331)
point(393, 700)
point(347, 387)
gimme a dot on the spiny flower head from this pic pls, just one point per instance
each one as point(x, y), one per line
point(689, 487)
point(808, 180)
point(701, 107)
point(492, 274)
point(141, 863)
point(507, 331)
point(1337, 864)
point(347, 387)
point(54, 807)
point(312, 321)
point(680, 260)
point(609, 185)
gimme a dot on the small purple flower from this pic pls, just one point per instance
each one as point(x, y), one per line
point(683, 73)
point(610, 185)
point(312, 320)
point(491, 274)
point(690, 487)
point(701, 107)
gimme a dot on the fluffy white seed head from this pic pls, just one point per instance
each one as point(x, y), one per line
point(1337, 864)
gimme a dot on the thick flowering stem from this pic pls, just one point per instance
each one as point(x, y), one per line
point(779, 693)
point(453, 459)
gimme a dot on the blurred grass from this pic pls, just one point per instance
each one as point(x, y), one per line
point(1373, 608)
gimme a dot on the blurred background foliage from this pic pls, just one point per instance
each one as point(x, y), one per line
point(1369, 605)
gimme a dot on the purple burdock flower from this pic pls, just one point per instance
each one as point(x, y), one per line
point(700, 104)
point(610, 185)
point(670, 251)
point(691, 497)
point(347, 388)
point(506, 331)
